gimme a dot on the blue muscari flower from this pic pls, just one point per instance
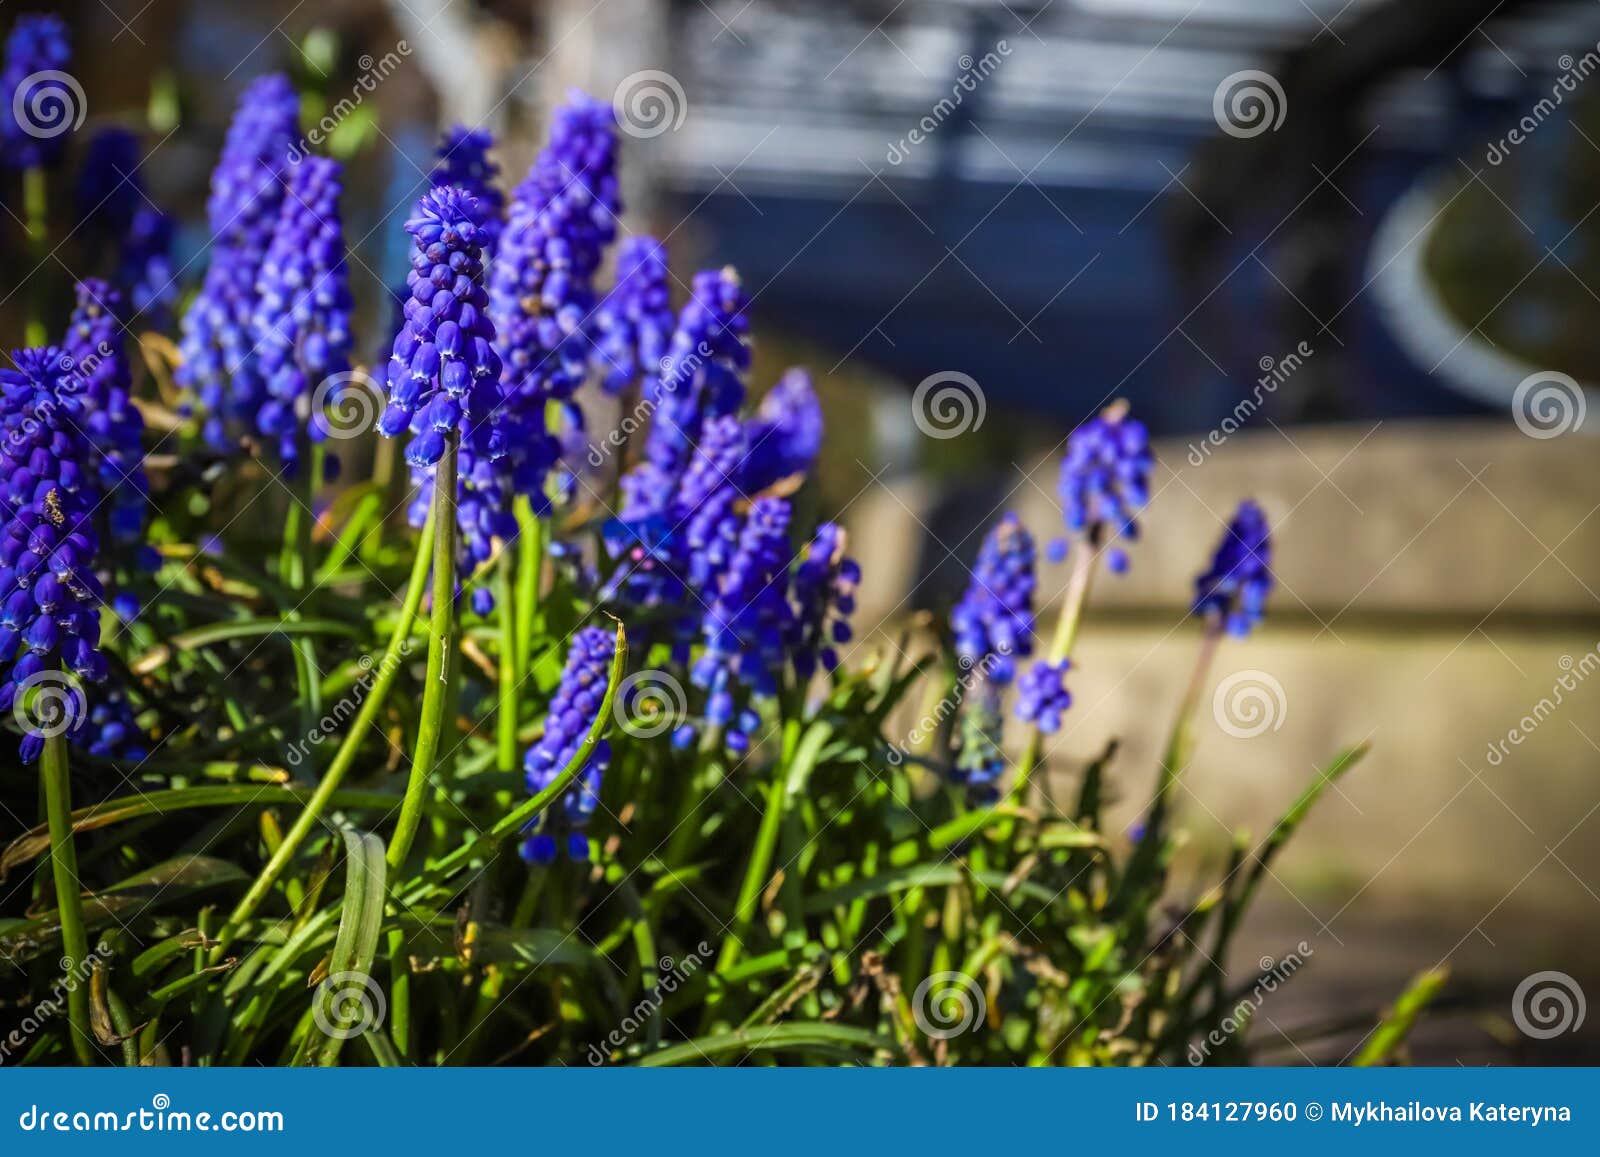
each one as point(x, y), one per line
point(699, 377)
point(463, 161)
point(1234, 590)
point(572, 712)
point(444, 374)
point(218, 335)
point(1105, 481)
point(993, 622)
point(49, 594)
point(561, 218)
point(95, 356)
point(633, 324)
point(822, 595)
point(678, 528)
point(747, 624)
point(785, 436)
point(1042, 695)
point(35, 116)
point(706, 507)
point(144, 267)
point(303, 305)
point(110, 729)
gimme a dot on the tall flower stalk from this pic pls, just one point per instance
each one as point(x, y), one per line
point(50, 602)
point(444, 386)
point(1104, 484)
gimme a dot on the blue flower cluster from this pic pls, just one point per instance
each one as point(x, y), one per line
point(1234, 590)
point(110, 729)
point(785, 436)
point(572, 712)
point(95, 355)
point(1042, 695)
point(218, 334)
point(707, 503)
point(822, 597)
point(463, 160)
point(674, 532)
point(483, 503)
point(747, 625)
point(34, 117)
point(1105, 482)
point(633, 324)
point(303, 305)
point(444, 373)
point(993, 623)
point(561, 218)
point(700, 376)
point(49, 594)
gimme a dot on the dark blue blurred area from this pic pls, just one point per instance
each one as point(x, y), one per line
point(1029, 240)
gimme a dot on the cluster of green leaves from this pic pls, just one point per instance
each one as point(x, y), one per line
point(823, 898)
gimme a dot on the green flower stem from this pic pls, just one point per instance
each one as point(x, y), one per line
point(56, 778)
point(1066, 635)
point(36, 215)
point(388, 668)
point(519, 818)
point(441, 645)
point(295, 569)
point(799, 757)
point(530, 568)
point(1180, 745)
point(1144, 868)
point(506, 713)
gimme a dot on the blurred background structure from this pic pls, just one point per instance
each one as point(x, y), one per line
point(1341, 255)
